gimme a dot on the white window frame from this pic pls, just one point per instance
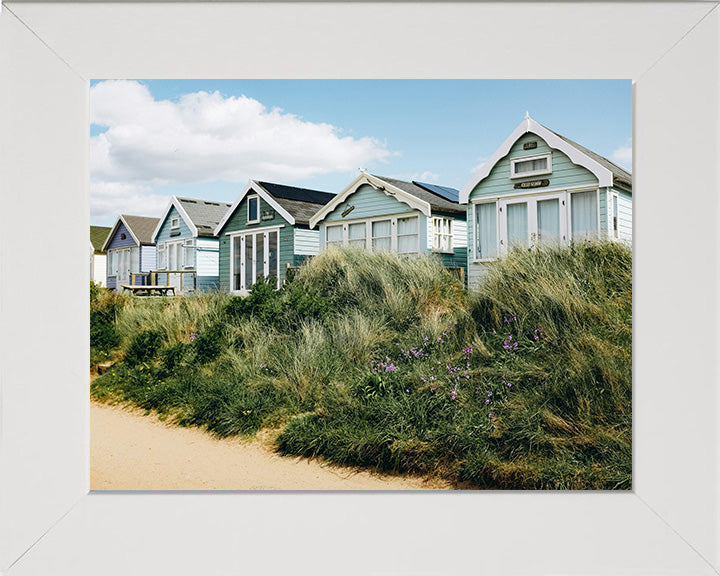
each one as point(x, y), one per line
point(250, 198)
point(520, 159)
point(569, 212)
point(368, 231)
point(497, 229)
point(242, 238)
point(614, 221)
point(449, 234)
point(175, 222)
point(162, 256)
point(501, 203)
point(341, 242)
point(189, 249)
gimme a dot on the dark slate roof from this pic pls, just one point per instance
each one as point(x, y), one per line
point(301, 203)
point(620, 175)
point(98, 235)
point(436, 201)
point(142, 227)
point(445, 191)
point(205, 214)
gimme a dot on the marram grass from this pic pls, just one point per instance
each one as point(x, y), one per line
point(375, 360)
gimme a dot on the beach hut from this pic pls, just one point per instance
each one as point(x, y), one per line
point(130, 249)
point(98, 265)
point(380, 213)
point(187, 247)
point(542, 188)
point(265, 232)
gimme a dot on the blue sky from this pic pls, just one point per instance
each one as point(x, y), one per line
point(151, 139)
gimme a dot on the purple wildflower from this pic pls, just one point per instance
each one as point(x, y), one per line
point(491, 415)
point(192, 336)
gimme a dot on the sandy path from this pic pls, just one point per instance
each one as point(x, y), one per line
point(131, 451)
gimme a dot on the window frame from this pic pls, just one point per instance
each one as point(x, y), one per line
point(175, 223)
point(162, 256)
point(250, 198)
point(495, 201)
point(614, 220)
point(393, 218)
point(241, 236)
point(519, 159)
point(450, 235)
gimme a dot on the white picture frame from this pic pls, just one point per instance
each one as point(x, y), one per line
point(50, 524)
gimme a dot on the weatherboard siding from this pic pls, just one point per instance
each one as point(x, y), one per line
point(368, 203)
point(206, 261)
point(564, 174)
point(307, 242)
point(624, 216)
point(604, 216)
point(167, 233)
point(148, 258)
point(118, 242)
point(237, 223)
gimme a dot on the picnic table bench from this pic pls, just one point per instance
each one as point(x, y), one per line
point(149, 290)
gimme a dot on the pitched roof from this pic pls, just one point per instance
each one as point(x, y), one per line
point(142, 227)
point(619, 173)
point(436, 201)
point(98, 235)
point(301, 203)
point(204, 214)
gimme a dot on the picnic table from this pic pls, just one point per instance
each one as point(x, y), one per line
point(149, 289)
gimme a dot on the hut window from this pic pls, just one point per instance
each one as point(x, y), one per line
point(334, 235)
point(583, 215)
point(408, 237)
point(175, 223)
point(253, 210)
point(615, 215)
point(162, 256)
point(530, 166)
point(442, 234)
point(189, 249)
point(486, 237)
point(381, 235)
point(356, 234)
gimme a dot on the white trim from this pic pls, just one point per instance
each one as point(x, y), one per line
point(265, 195)
point(497, 229)
point(613, 198)
point(242, 236)
point(533, 192)
point(378, 184)
point(392, 218)
point(249, 198)
point(238, 232)
point(183, 214)
point(173, 220)
point(519, 159)
point(114, 229)
point(604, 176)
point(451, 234)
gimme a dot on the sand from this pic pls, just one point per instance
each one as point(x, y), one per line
point(133, 451)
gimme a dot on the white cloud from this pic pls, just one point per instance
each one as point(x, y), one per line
point(427, 177)
point(110, 199)
point(623, 155)
point(206, 137)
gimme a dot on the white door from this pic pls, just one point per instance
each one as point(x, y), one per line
point(175, 262)
point(254, 256)
point(530, 221)
point(124, 266)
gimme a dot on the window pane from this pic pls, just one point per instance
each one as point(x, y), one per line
point(259, 256)
point(248, 260)
point(548, 218)
point(237, 262)
point(531, 165)
point(252, 209)
point(381, 239)
point(408, 244)
point(615, 216)
point(334, 234)
point(486, 230)
point(583, 213)
point(517, 224)
point(356, 234)
point(407, 225)
point(273, 254)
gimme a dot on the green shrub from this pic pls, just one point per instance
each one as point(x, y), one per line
point(143, 347)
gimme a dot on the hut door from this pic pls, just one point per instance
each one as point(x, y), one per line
point(175, 257)
point(259, 258)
